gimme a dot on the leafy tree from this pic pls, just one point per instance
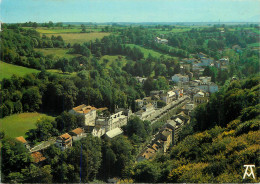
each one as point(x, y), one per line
point(14, 158)
point(146, 172)
point(32, 99)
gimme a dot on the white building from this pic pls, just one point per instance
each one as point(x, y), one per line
point(146, 112)
point(160, 40)
point(64, 141)
point(98, 131)
point(113, 133)
point(89, 112)
point(116, 120)
point(168, 97)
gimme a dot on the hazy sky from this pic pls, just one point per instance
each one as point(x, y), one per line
point(129, 10)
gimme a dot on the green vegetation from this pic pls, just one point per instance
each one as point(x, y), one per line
point(7, 70)
point(81, 37)
point(59, 52)
point(149, 51)
point(18, 124)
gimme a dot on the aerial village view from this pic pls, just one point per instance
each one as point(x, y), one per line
point(130, 91)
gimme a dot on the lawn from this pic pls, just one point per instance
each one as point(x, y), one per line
point(7, 70)
point(80, 37)
point(149, 51)
point(59, 52)
point(18, 124)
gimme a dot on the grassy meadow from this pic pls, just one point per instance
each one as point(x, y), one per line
point(149, 51)
point(59, 52)
point(80, 37)
point(18, 124)
point(7, 70)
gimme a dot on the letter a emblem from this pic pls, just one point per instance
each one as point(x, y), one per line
point(246, 171)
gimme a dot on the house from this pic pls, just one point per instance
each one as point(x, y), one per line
point(210, 87)
point(206, 62)
point(98, 131)
point(89, 113)
point(176, 126)
point(200, 97)
point(205, 79)
point(147, 100)
point(189, 60)
point(165, 137)
point(125, 111)
point(145, 112)
point(64, 141)
point(182, 116)
point(139, 102)
point(149, 153)
point(77, 134)
point(201, 55)
point(180, 78)
point(168, 97)
point(156, 92)
point(38, 157)
point(22, 140)
point(141, 79)
point(113, 133)
point(113, 121)
point(160, 40)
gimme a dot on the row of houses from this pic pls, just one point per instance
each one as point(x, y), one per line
point(166, 137)
point(148, 105)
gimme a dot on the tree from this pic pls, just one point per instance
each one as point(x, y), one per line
point(14, 157)
point(32, 99)
point(146, 172)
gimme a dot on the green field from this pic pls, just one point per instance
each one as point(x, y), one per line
point(56, 30)
point(18, 124)
point(149, 51)
point(80, 37)
point(59, 52)
point(7, 70)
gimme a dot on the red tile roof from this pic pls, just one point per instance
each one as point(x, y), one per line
point(84, 109)
point(65, 136)
point(37, 157)
point(78, 131)
point(21, 139)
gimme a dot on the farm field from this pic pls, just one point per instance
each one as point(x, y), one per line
point(149, 51)
point(80, 37)
point(59, 52)
point(18, 124)
point(7, 70)
point(56, 30)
